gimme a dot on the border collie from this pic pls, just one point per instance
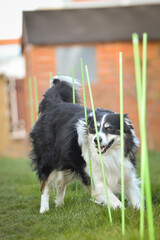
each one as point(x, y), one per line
point(61, 140)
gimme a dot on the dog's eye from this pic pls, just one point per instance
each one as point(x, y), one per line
point(109, 128)
point(93, 130)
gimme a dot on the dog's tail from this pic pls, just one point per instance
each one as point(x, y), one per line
point(60, 91)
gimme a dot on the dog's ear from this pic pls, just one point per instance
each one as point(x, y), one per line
point(127, 124)
point(104, 110)
point(126, 116)
point(89, 118)
point(54, 81)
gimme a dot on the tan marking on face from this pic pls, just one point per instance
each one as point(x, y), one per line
point(98, 124)
point(106, 125)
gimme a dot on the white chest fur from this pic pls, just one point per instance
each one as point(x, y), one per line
point(112, 166)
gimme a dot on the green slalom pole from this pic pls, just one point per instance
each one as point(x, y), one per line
point(73, 95)
point(122, 140)
point(149, 200)
point(73, 85)
point(36, 95)
point(31, 101)
point(86, 119)
point(137, 64)
point(147, 176)
point(99, 148)
point(143, 160)
point(141, 99)
point(50, 75)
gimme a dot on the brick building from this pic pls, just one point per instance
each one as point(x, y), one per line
point(54, 40)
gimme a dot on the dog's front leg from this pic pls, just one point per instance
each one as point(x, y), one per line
point(113, 200)
point(99, 195)
point(133, 193)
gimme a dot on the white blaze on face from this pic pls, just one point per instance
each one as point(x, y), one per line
point(106, 139)
point(102, 136)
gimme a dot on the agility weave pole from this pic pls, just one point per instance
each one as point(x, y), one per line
point(141, 99)
point(51, 84)
point(73, 87)
point(31, 101)
point(99, 148)
point(146, 164)
point(86, 120)
point(122, 140)
point(74, 101)
point(36, 95)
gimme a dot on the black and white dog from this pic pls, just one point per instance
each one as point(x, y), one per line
point(61, 139)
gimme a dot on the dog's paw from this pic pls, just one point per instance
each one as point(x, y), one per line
point(97, 202)
point(116, 204)
point(44, 209)
point(113, 205)
point(136, 202)
point(58, 202)
point(137, 205)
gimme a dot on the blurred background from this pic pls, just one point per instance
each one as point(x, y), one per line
point(48, 36)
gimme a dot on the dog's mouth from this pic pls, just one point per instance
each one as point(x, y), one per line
point(105, 148)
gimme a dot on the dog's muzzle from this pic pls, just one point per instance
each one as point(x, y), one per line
point(105, 148)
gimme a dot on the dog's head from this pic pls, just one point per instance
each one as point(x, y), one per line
point(108, 125)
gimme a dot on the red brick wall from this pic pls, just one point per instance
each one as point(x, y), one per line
point(41, 61)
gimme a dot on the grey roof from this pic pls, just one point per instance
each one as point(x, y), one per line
point(65, 26)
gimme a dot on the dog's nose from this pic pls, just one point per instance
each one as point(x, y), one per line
point(95, 140)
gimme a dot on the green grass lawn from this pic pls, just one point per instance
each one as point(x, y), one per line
point(79, 218)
